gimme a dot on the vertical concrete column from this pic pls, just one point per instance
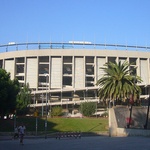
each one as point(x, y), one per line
point(112, 123)
point(73, 72)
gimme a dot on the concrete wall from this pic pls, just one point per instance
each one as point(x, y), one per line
point(123, 132)
point(115, 131)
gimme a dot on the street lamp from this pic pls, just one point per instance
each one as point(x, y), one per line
point(42, 100)
point(14, 115)
point(35, 115)
point(146, 122)
point(46, 75)
point(34, 100)
point(129, 121)
point(67, 107)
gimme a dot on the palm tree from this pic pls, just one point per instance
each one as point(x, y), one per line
point(118, 82)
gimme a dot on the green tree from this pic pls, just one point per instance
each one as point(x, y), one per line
point(118, 82)
point(23, 99)
point(8, 93)
point(88, 108)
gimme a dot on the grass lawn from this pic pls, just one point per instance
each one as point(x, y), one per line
point(58, 124)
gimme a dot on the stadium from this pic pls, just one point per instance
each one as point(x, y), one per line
point(65, 74)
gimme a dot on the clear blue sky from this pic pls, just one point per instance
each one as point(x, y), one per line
point(99, 21)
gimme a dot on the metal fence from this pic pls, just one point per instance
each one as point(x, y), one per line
point(13, 46)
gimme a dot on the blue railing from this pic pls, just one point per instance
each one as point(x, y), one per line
point(12, 46)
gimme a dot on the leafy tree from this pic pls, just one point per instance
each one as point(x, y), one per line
point(88, 108)
point(118, 82)
point(56, 111)
point(23, 99)
point(8, 93)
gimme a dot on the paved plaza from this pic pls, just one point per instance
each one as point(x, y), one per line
point(85, 143)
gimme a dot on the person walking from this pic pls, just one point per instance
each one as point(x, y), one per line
point(21, 130)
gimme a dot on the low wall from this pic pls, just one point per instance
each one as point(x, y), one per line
point(114, 130)
point(123, 132)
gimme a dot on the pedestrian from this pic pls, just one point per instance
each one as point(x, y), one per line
point(16, 134)
point(21, 130)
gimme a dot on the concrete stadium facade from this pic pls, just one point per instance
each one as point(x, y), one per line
point(59, 75)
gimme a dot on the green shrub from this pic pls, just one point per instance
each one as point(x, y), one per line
point(88, 108)
point(56, 111)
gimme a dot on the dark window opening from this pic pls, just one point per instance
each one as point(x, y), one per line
point(42, 79)
point(89, 59)
point(133, 69)
point(20, 60)
point(89, 79)
point(67, 94)
point(1, 64)
point(67, 59)
point(89, 84)
point(67, 81)
point(89, 69)
point(91, 93)
point(44, 59)
point(67, 69)
point(44, 69)
point(20, 78)
point(132, 61)
point(20, 69)
point(112, 59)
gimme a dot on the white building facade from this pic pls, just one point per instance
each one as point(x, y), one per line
point(58, 75)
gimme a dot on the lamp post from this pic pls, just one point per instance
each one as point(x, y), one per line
point(67, 107)
point(46, 75)
point(34, 100)
point(14, 119)
point(146, 122)
point(42, 100)
point(35, 115)
point(129, 121)
point(130, 117)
